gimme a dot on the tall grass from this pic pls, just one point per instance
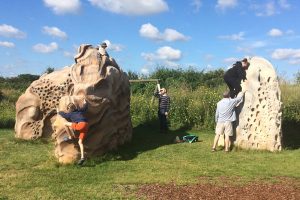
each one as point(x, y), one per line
point(189, 108)
point(291, 102)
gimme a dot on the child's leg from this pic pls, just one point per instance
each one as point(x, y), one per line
point(69, 132)
point(81, 148)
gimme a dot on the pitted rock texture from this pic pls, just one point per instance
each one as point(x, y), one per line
point(259, 116)
point(104, 86)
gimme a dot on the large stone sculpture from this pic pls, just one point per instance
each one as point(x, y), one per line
point(259, 116)
point(94, 77)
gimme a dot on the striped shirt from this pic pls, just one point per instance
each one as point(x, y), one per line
point(164, 102)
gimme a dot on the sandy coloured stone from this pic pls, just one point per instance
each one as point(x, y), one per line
point(259, 116)
point(104, 86)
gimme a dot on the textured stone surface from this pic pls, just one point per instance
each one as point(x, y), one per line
point(106, 89)
point(259, 124)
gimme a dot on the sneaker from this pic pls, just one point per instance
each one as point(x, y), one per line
point(81, 161)
point(213, 150)
point(67, 139)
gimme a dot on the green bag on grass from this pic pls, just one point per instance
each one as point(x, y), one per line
point(190, 138)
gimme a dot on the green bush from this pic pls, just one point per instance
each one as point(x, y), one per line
point(191, 107)
point(291, 102)
point(188, 109)
point(7, 114)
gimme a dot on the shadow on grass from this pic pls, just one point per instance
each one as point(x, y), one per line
point(291, 135)
point(145, 137)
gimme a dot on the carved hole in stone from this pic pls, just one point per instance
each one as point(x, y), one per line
point(258, 123)
point(249, 136)
point(255, 128)
point(276, 137)
point(260, 100)
point(252, 109)
point(254, 120)
point(248, 119)
point(259, 89)
point(257, 113)
point(251, 115)
point(264, 106)
point(257, 105)
point(269, 79)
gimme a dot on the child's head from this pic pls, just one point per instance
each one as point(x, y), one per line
point(71, 107)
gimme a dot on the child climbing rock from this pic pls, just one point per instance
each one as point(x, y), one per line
point(77, 122)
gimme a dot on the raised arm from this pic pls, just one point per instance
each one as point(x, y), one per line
point(239, 99)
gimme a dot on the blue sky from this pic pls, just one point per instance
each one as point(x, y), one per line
point(144, 34)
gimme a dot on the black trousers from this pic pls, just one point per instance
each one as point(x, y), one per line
point(234, 85)
point(162, 120)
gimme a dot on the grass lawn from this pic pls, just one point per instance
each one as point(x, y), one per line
point(28, 170)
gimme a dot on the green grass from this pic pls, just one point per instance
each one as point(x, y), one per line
point(28, 170)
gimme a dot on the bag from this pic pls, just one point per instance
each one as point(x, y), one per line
point(190, 138)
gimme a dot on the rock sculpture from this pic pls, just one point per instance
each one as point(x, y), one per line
point(259, 116)
point(104, 86)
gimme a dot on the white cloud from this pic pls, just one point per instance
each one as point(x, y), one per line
point(275, 32)
point(152, 32)
point(63, 6)
point(258, 44)
point(249, 47)
point(11, 32)
point(226, 4)
point(239, 36)
point(270, 8)
point(284, 4)
point(165, 56)
point(295, 62)
point(284, 54)
point(196, 4)
point(132, 7)
point(262, 10)
point(43, 48)
point(54, 31)
point(168, 53)
point(113, 47)
point(7, 44)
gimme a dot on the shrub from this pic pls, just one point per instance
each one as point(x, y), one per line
point(7, 114)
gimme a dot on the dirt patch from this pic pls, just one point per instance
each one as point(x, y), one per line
point(283, 189)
